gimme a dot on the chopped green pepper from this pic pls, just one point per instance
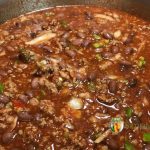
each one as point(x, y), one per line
point(98, 57)
point(98, 45)
point(141, 62)
point(128, 112)
point(96, 37)
point(1, 88)
point(128, 146)
point(146, 137)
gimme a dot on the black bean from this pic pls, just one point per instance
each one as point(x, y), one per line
point(107, 35)
point(18, 24)
point(132, 82)
point(114, 49)
point(88, 15)
point(24, 116)
point(112, 86)
point(7, 137)
point(106, 55)
point(134, 120)
point(146, 147)
point(112, 144)
point(4, 99)
point(129, 50)
point(71, 53)
point(38, 73)
point(37, 117)
point(32, 34)
point(23, 98)
point(35, 83)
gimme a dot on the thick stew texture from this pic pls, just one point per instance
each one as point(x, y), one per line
point(67, 72)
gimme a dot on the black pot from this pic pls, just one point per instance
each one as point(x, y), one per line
point(13, 8)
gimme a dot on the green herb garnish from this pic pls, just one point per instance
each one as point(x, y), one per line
point(128, 112)
point(128, 146)
point(64, 23)
point(96, 37)
point(1, 88)
point(98, 57)
point(146, 137)
point(141, 62)
point(25, 55)
point(91, 86)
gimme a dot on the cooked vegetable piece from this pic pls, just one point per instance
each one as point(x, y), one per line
point(146, 137)
point(1, 88)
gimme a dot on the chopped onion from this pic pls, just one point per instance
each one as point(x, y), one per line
point(101, 137)
point(117, 34)
point(44, 37)
point(102, 16)
point(75, 103)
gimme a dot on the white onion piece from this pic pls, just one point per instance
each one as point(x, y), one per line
point(102, 16)
point(44, 37)
point(117, 34)
point(75, 103)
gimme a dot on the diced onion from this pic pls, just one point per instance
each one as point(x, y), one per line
point(45, 37)
point(75, 103)
point(117, 34)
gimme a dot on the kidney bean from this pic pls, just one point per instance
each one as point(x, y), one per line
point(129, 50)
point(81, 35)
point(129, 39)
point(71, 53)
point(88, 15)
point(112, 86)
point(29, 93)
point(24, 116)
point(7, 137)
point(23, 98)
point(112, 144)
point(77, 42)
point(35, 83)
point(4, 99)
point(47, 49)
point(146, 147)
point(114, 49)
point(106, 55)
point(37, 117)
point(107, 35)
point(86, 42)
